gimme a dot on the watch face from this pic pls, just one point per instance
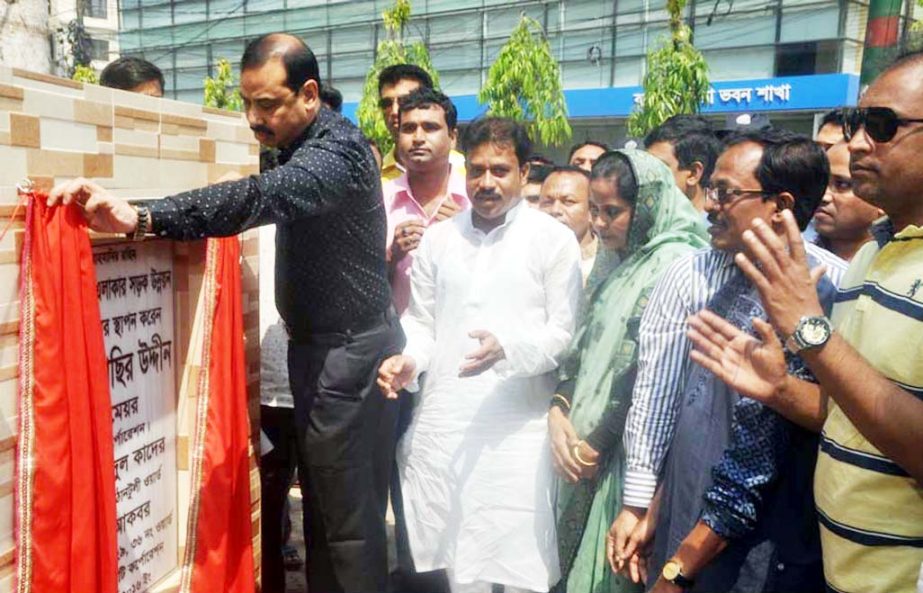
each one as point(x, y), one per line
point(671, 570)
point(815, 331)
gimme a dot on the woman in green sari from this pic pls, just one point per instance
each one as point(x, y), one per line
point(645, 223)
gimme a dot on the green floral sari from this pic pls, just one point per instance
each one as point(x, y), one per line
point(602, 364)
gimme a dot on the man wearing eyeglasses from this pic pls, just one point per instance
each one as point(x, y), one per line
point(394, 83)
point(867, 357)
point(732, 510)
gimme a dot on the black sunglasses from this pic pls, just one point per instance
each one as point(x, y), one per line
point(880, 123)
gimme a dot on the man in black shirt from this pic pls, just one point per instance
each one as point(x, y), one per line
point(331, 290)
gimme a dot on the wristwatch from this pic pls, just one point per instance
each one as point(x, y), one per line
point(811, 332)
point(673, 573)
point(144, 224)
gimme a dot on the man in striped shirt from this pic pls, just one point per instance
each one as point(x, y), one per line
point(758, 175)
point(869, 405)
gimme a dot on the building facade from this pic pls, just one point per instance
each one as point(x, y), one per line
point(601, 44)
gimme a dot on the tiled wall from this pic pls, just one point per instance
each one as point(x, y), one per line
point(139, 147)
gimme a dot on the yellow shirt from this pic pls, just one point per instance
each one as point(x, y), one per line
point(871, 510)
point(391, 169)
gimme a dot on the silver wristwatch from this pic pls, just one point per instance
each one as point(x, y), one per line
point(811, 332)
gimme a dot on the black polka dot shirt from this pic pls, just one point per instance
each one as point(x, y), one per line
point(325, 197)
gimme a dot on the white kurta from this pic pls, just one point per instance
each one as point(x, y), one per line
point(475, 462)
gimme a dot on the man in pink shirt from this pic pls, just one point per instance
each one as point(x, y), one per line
point(430, 190)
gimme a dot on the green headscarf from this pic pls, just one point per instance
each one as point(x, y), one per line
point(603, 359)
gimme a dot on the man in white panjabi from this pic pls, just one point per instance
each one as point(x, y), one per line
point(494, 299)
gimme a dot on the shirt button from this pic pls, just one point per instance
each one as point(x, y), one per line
point(780, 567)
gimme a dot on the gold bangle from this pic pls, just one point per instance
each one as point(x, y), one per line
point(575, 451)
point(563, 399)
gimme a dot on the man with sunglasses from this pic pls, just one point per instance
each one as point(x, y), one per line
point(868, 406)
point(730, 512)
point(394, 83)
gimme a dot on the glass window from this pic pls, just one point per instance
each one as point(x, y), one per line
point(151, 38)
point(264, 5)
point(734, 32)
point(351, 66)
point(230, 50)
point(99, 49)
point(351, 88)
point(583, 13)
point(740, 63)
point(189, 96)
point(500, 23)
point(353, 11)
point(628, 72)
point(191, 78)
point(192, 57)
point(456, 57)
point(352, 39)
point(584, 74)
point(267, 22)
point(588, 45)
point(305, 18)
point(805, 25)
point(631, 6)
point(223, 28)
point(462, 27)
point(97, 9)
point(131, 20)
point(157, 16)
point(460, 82)
point(129, 41)
point(629, 42)
point(193, 11)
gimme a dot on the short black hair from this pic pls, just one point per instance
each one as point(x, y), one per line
point(834, 116)
point(790, 163)
point(128, 72)
point(499, 130)
point(424, 98)
point(693, 140)
point(332, 98)
point(298, 59)
point(577, 147)
point(398, 72)
point(569, 169)
point(539, 159)
point(615, 166)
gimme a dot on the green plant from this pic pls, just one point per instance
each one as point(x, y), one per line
point(676, 80)
point(524, 83)
point(221, 91)
point(389, 52)
point(85, 74)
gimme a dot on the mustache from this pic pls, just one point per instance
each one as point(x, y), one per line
point(487, 195)
point(262, 129)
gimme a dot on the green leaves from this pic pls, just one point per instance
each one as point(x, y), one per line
point(221, 91)
point(676, 80)
point(524, 83)
point(85, 74)
point(390, 51)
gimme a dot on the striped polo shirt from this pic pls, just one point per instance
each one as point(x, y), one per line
point(871, 510)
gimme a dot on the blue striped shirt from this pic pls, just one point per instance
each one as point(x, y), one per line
point(663, 360)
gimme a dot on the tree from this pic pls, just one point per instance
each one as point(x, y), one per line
point(85, 74)
point(676, 80)
point(390, 51)
point(221, 91)
point(524, 83)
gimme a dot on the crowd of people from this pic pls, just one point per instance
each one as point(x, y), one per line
point(694, 366)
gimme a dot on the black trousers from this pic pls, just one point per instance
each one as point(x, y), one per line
point(346, 434)
point(277, 469)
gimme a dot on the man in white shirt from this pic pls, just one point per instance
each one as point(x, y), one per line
point(565, 195)
point(494, 298)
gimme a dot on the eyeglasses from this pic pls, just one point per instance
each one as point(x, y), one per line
point(386, 102)
point(724, 196)
point(880, 123)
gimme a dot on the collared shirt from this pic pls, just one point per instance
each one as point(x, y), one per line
point(870, 509)
point(401, 206)
point(325, 197)
point(391, 169)
point(588, 258)
point(663, 360)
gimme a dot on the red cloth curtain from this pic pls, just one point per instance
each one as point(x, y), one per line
point(65, 481)
point(219, 543)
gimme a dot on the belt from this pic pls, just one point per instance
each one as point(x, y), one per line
point(321, 334)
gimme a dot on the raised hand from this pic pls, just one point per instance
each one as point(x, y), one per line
point(447, 209)
point(104, 212)
point(778, 267)
point(407, 237)
point(394, 374)
point(755, 368)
